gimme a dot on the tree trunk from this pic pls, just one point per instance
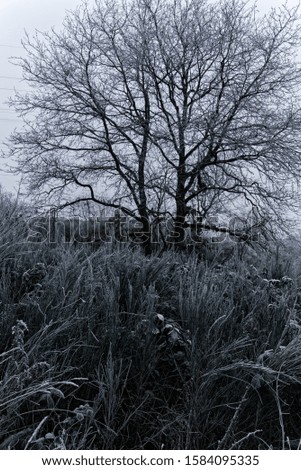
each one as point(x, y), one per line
point(146, 237)
point(179, 228)
point(179, 234)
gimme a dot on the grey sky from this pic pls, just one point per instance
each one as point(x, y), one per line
point(16, 16)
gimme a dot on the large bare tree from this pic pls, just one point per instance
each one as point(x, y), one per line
point(158, 106)
point(227, 85)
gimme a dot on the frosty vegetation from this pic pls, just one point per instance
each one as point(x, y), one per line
point(110, 349)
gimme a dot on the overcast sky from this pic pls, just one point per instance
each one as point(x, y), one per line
point(16, 16)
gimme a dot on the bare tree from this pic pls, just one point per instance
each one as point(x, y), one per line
point(155, 106)
point(226, 86)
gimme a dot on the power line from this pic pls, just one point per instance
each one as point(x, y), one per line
point(11, 46)
point(12, 89)
point(13, 78)
point(8, 119)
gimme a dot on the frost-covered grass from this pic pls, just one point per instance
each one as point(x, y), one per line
point(109, 349)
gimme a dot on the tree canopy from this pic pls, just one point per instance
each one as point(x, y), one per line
point(158, 107)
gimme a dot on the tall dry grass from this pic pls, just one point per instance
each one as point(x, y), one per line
point(109, 349)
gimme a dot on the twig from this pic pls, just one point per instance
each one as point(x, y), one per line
point(34, 434)
point(223, 441)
